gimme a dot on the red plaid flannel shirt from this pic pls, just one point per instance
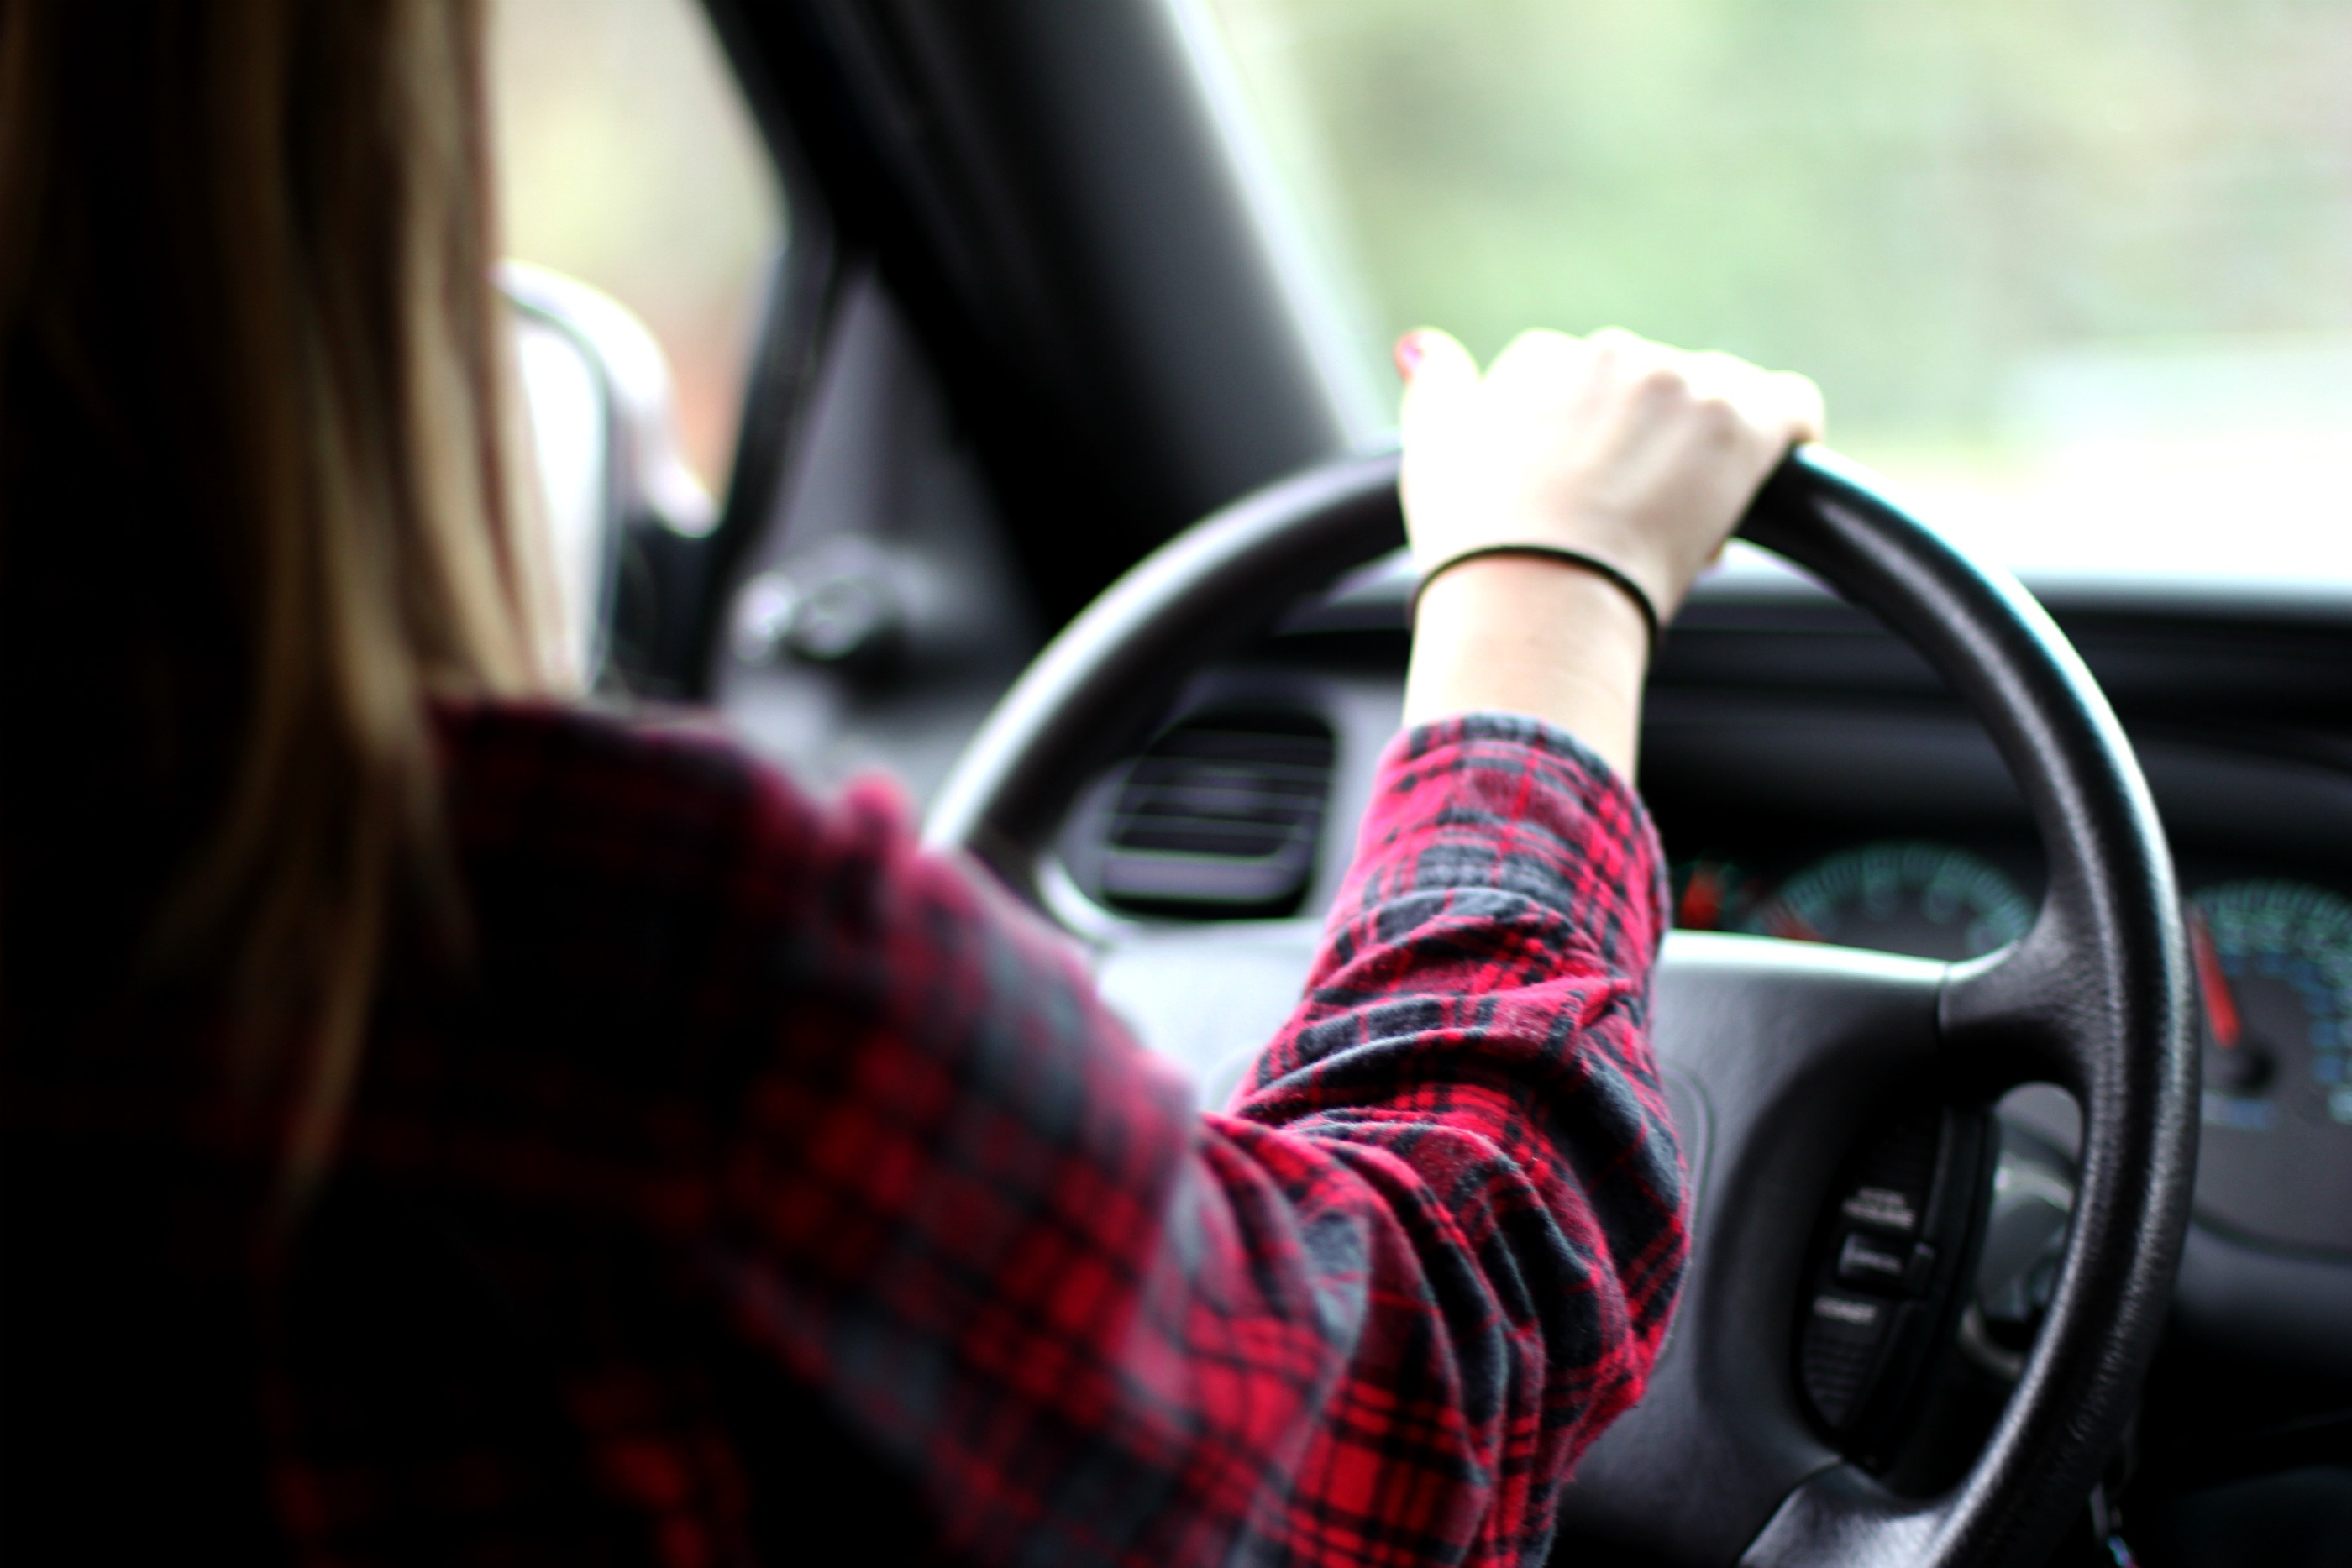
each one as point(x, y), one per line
point(750, 1122)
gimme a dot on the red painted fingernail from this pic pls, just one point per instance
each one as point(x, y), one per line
point(1409, 353)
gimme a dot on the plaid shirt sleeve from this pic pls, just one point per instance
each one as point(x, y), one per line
point(1372, 1313)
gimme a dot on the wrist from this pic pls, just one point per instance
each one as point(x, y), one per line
point(1534, 636)
point(1645, 601)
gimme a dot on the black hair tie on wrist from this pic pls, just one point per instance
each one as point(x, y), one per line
point(1593, 564)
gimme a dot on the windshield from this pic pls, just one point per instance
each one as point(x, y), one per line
point(2076, 274)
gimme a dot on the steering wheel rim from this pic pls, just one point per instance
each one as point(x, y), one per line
point(1784, 1047)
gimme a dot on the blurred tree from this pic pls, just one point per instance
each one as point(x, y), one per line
point(1913, 199)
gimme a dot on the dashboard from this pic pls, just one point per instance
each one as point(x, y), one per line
point(1813, 778)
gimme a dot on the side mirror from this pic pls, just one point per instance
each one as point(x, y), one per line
point(597, 392)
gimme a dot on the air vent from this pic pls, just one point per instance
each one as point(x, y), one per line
point(1220, 817)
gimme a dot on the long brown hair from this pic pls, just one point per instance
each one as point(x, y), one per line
point(244, 266)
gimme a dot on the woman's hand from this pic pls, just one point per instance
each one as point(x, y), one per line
point(1641, 455)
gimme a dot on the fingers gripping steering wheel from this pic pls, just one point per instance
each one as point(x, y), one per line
point(1790, 1048)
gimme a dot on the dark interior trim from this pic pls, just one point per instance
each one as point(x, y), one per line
point(1041, 186)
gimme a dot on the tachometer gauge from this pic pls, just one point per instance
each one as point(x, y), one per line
point(2274, 962)
point(1930, 899)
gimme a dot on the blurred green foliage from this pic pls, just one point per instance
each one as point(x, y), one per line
point(1911, 200)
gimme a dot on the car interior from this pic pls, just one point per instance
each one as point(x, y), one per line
point(1048, 293)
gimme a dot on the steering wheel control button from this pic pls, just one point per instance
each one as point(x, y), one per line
point(1860, 1315)
point(1889, 1255)
point(1882, 1206)
point(1872, 1262)
point(1842, 1338)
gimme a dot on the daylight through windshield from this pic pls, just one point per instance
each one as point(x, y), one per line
point(2076, 275)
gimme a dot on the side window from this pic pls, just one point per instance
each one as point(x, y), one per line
point(629, 161)
point(871, 611)
point(2073, 272)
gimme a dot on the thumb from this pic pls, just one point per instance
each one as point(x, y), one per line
point(1441, 384)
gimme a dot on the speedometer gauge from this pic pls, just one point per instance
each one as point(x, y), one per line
point(1915, 897)
point(2274, 962)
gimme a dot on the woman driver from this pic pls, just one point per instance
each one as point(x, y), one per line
point(445, 1124)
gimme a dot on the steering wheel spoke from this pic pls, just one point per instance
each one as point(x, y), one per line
point(1776, 1055)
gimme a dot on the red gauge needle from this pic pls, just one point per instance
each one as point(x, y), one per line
point(2220, 1006)
point(1702, 899)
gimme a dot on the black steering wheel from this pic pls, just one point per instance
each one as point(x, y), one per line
point(1781, 1052)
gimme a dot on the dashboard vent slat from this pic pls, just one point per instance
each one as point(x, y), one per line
point(1220, 816)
